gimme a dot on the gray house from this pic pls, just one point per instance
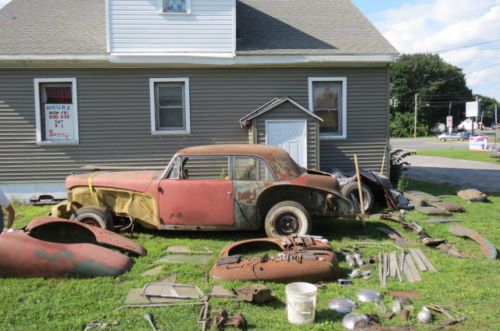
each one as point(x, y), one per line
point(129, 82)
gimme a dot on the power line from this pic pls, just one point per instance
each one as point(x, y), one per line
point(466, 46)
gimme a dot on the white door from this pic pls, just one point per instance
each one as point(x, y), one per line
point(291, 136)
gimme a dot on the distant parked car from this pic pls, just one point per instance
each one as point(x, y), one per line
point(217, 187)
point(460, 136)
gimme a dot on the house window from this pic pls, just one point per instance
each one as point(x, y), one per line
point(327, 98)
point(176, 6)
point(56, 111)
point(170, 105)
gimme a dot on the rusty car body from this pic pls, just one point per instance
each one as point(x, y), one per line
point(52, 247)
point(216, 187)
point(301, 259)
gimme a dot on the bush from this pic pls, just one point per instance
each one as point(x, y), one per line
point(401, 125)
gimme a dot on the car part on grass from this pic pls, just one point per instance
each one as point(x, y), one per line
point(451, 207)
point(406, 295)
point(424, 315)
point(171, 290)
point(60, 230)
point(439, 220)
point(344, 282)
point(100, 325)
point(342, 306)
point(186, 250)
point(454, 317)
point(365, 295)
point(257, 294)
point(489, 250)
point(353, 321)
point(196, 259)
point(443, 245)
point(301, 259)
point(52, 247)
point(406, 312)
point(394, 235)
point(149, 318)
point(472, 195)
point(430, 211)
point(220, 292)
point(203, 315)
point(221, 319)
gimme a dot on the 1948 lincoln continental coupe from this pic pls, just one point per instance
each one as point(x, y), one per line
point(216, 187)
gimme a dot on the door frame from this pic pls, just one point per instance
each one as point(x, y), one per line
point(291, 121)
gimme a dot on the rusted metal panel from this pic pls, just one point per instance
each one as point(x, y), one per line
point(64, 231)
point(196, 202)
point(246, 194)
point(301, 259)
point(489, 250)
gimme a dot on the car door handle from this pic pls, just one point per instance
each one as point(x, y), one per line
point(229, 195)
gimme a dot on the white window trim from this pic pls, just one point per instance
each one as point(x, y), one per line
point(152, 82)
point(267, 122)
point(344, 103)
point(38, 111)
point(188, 9)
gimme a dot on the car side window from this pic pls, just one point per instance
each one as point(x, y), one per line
point(175, 171)
point(251, 169)
point(204, 167)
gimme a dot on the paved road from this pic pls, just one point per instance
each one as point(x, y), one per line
point(464, 174)
point(427, 143)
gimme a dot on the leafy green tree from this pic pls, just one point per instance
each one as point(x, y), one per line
point(488, 109)
point(436, 82)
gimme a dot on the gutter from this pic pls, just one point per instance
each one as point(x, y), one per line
point(217, 59)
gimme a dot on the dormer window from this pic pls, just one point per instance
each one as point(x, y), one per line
point(177, 6)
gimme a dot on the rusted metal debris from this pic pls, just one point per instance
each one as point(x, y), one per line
point(443, 245)
point(454, 317)
point(406, 294)
point(221, 319)
point(301, 259)
point(489, 250)
point(257, 294)
point(52, 247)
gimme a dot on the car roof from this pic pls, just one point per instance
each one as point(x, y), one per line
point(281, 162)
point(263, 151)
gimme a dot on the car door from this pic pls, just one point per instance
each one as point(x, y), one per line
point(198, 193)
point(251, 176)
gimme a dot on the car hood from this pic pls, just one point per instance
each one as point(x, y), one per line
point(138, 181)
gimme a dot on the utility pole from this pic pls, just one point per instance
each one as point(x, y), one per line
point(496, 121)
point(416, 117)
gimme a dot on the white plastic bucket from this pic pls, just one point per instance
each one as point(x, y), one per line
point(301, 302)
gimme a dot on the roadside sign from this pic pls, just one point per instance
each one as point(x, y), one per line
point(472, 109)
point(449, 122)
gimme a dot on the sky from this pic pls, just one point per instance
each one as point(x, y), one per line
point(445, 27)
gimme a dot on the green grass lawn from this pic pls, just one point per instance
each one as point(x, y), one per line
point(461, 154)
point(470, 286)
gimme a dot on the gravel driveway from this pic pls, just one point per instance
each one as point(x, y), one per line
point(464, 174)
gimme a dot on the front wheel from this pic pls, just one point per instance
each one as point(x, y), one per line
point(95, 216)
point(287, 218)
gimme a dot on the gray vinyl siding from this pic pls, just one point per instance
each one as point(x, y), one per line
point(287, 111)
point(114, 116)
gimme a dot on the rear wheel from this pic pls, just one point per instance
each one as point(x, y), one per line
point(95, 216)
point(287, 218)
point(351, 192)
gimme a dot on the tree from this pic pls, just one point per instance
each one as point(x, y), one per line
point(488, 109)
point(437, 83)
